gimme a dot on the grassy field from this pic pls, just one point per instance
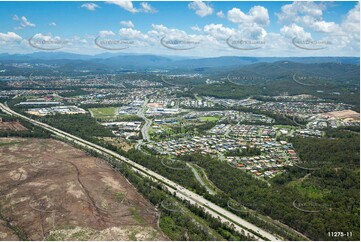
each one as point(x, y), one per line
point(209, 119)
point(104, 113)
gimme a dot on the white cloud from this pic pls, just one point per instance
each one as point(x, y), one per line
point(128, 24)
point(205, 42)
point(196, 28)
point(132, 34)
point(11, 42)
point(24, 22)
point(46, 37)
point(83, 41)
point(104, 33)
point(90, 6)
point(145, 7)
point(307, 14)
point(52, 24)
point(323, 26)
point(293, 30)
point(297, 21)
point(344, 36)
point(159, 31)
point(351, 23)
point(201, 8)
point(253, 33)
point(126, 5)
point(350, 28)
point(9, 36)
point(295, 11)
point(257, 15)
point(218, 31)
point(220, 14)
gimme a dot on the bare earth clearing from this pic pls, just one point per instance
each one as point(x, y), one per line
point(51, 190)
point(13, 125)
point(344, 114)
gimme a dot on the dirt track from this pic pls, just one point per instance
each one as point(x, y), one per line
point(50, 190)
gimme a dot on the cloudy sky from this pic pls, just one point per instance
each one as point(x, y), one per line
point(182, 28)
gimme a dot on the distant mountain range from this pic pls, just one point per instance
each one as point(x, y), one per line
point(116, 61)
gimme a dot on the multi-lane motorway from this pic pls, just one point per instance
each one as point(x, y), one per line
point(148, 122)
point(223, 215)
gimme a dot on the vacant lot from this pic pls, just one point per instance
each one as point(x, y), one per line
point(50, 190)
point(104, 113)
point(344, 114)
point(13, 126)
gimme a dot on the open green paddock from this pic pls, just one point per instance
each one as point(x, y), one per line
point(104, 113)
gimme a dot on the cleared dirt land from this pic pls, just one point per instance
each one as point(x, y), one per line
point(344, 114)
point(51, 190)
point(13, 125)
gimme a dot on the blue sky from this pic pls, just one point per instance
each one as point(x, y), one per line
point(333, 27)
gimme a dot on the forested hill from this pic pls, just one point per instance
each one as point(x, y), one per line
point(338, 72)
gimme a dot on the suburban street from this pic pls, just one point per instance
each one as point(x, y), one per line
point(181, 192)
